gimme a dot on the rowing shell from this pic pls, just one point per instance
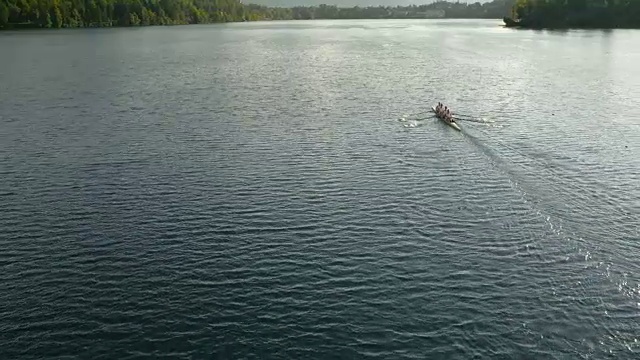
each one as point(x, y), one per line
point(452, 124)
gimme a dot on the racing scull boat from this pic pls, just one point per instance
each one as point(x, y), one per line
point(451, 123)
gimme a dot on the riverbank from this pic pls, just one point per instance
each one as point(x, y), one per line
point(511, 23)
point(588, 14)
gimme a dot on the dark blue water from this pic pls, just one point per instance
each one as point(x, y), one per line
point(266, 190)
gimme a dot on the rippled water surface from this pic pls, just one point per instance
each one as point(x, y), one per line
point(267, 190)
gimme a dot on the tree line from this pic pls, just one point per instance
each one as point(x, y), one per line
point(576, 14)
point(104, 13)
point(101, 13)
point(441, 9)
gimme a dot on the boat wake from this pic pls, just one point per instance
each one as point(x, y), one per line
point(412, 121)
point(416, 116)
point(491, 124)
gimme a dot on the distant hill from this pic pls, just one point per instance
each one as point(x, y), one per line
point(348, 3)
point(385, 9)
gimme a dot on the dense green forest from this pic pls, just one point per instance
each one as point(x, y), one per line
point(576, 14)
point(86, 13)
point(102, 13)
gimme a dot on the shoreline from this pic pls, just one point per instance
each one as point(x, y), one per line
point(517, 24)
point(118, 13)
point(508, 23)
point(25, 27)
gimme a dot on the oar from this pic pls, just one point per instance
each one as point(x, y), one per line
point(463, 116)
point(457, 114)
point(468, 119)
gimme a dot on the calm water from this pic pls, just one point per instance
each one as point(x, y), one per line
point(266, 190)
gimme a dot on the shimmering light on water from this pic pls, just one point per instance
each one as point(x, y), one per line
point(248, 191)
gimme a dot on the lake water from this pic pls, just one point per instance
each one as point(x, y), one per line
point(266, 190)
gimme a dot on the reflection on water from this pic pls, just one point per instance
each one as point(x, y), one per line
point(246, 190)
